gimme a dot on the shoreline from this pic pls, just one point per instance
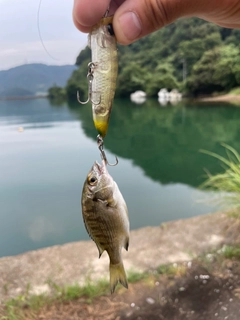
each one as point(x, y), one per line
point(223, 98)
point(23, 97)
point(150, 247)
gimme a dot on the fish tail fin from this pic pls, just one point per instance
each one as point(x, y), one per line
point(117, 273)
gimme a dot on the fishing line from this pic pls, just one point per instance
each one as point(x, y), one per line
point(39, 31)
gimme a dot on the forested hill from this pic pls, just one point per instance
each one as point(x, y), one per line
point(211, 55)
point(33, 79)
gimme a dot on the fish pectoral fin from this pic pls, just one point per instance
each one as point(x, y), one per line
point(105, 202)
point(90, 196)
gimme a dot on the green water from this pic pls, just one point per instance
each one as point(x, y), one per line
point(165, 142)
point(42, 169)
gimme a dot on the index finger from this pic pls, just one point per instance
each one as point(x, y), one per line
point(87, 13)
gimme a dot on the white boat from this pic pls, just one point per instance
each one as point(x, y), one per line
point(138, 96)
point(163, 95)
point(175, 95)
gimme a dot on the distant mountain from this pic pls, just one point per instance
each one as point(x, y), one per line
point(33, 79)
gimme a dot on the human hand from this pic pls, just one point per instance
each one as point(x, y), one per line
point(134, 19)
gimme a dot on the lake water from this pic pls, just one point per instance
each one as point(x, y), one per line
point(42, 169)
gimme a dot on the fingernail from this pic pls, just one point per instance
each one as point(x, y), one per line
point(130, 25)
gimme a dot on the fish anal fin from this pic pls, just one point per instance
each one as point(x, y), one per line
point(126, 245)
point(100, 251)
point(117, 273)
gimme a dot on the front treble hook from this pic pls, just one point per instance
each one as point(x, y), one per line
point(91, 66)
point(103, 155)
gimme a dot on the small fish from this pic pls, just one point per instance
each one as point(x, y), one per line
point(104, 66)
point(105, 217)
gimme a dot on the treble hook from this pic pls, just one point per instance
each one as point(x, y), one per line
point(103, 155)
point(91, 66)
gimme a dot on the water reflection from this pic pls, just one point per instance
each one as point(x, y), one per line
point(42, 228)
point(34, 112)
point(165, 143)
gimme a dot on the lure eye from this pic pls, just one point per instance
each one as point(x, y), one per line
point(92, 180)
point(110, 29)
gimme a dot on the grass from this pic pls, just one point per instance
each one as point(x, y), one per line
point(90, 290)
point(227, 182)
point(235, 91)
point(171, 269)
point(231, 252)
point(14, 308)
point(213, 260)
point(135, 276)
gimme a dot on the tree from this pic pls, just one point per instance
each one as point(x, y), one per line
point(217, 70)
point(163, 77)
point(84, 55)
point(132, 78)
point(78, 83)
point(56, 92)
point(210, 63)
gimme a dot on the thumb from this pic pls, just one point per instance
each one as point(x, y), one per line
point(135, 19)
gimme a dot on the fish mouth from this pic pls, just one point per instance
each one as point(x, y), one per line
point(99, 168)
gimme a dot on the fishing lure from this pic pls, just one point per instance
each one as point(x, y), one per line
point(102, 73)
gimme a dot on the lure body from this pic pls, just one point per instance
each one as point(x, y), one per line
point(104, 73)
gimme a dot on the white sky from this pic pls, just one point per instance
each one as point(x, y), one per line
point(19, 39)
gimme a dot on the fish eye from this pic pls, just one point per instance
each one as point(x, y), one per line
point(92, 180)
point(110, 29)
